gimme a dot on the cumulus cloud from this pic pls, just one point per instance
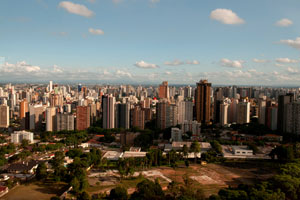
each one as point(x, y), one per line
point(226, 16)
point(77, 9)
point(286, 60)
point(96, 31)
point(19, 67)
point(178, 62)
point(232, 63)
point(145, 65)
point(284, 22)
point(123, 73)
point(260, 60)
point(193, 62)
point(174, 63)
point(292, 70)
point(292, 43)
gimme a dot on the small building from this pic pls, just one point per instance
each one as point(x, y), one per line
point(23, 167)
point(242, 151)
point(112, 155)
point(130, 154)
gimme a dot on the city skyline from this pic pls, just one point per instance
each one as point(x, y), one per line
point(148, 41)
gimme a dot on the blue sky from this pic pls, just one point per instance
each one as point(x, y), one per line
point(147, 41)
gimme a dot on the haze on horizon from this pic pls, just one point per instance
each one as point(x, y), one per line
point(148, 41)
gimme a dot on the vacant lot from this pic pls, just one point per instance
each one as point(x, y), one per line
point(36, 190)
point(210, 178)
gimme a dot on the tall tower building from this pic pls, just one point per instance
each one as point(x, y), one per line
point(202, 101)
point(137, 117)
point(123, 115)
point(283, 100)
point(163, 92)
point(4, 116)
point(243, 112)
point(50, 115)
point(64, 122)
point(50, 86)
point(108, 111)
point(262, 111)
point(23, 109)
point(83, 114)
point(185, 111)
point(292, 118)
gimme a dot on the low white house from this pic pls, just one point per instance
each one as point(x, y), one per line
point(242, 151)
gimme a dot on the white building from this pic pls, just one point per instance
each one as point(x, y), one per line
point(242, 151)
point(176, 134)
point(50, 115)
point(191, 126)
point(18, 136)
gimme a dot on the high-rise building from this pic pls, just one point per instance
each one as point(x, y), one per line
point(64, 122)
point(243, 112)
point(123, 115)
point(36, 117)
point(166, 115)
point(83, 114)
point(93, 108)
point(138, 117)
point(4, 116)
point(202, 101)
point(185, 111)
point(262, 110)
point(108, 111)
point(163, 92)
point(283, 100)
point(176, 135)
point(224, 111)
point(50, 86)
point(271, 117)
point(23, 108)
point(18, 136)
point(50, 118)
point(292, 124)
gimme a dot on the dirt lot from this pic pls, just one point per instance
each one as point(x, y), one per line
point(210, 178)
point(34, 191)
point(213, 177)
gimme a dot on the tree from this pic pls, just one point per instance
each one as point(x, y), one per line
point(148, 190)
point(84, 196)
point(75, 185)
point(118, 193)
point(195, 148)
point(24, 143)
point(185, 151)
point(41, 171)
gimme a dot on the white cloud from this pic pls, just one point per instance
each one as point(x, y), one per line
point(226, 16)
point(154, 1)
point(77, 9)
point(260, 60)
point(284, 22)
point(19, 67)
point(145, 65)
point(96, 31)
point(292, 70)
point(123, 73)
point(232, 63)
point(292, 43)
point(174, 63)
point(57, 69)
point(193, 62)
point(286, 60)
point(168, 73)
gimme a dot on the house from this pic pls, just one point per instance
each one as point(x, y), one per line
point(112, 155)
point(23, 167)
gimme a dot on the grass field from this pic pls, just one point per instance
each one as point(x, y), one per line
point(35, 190)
